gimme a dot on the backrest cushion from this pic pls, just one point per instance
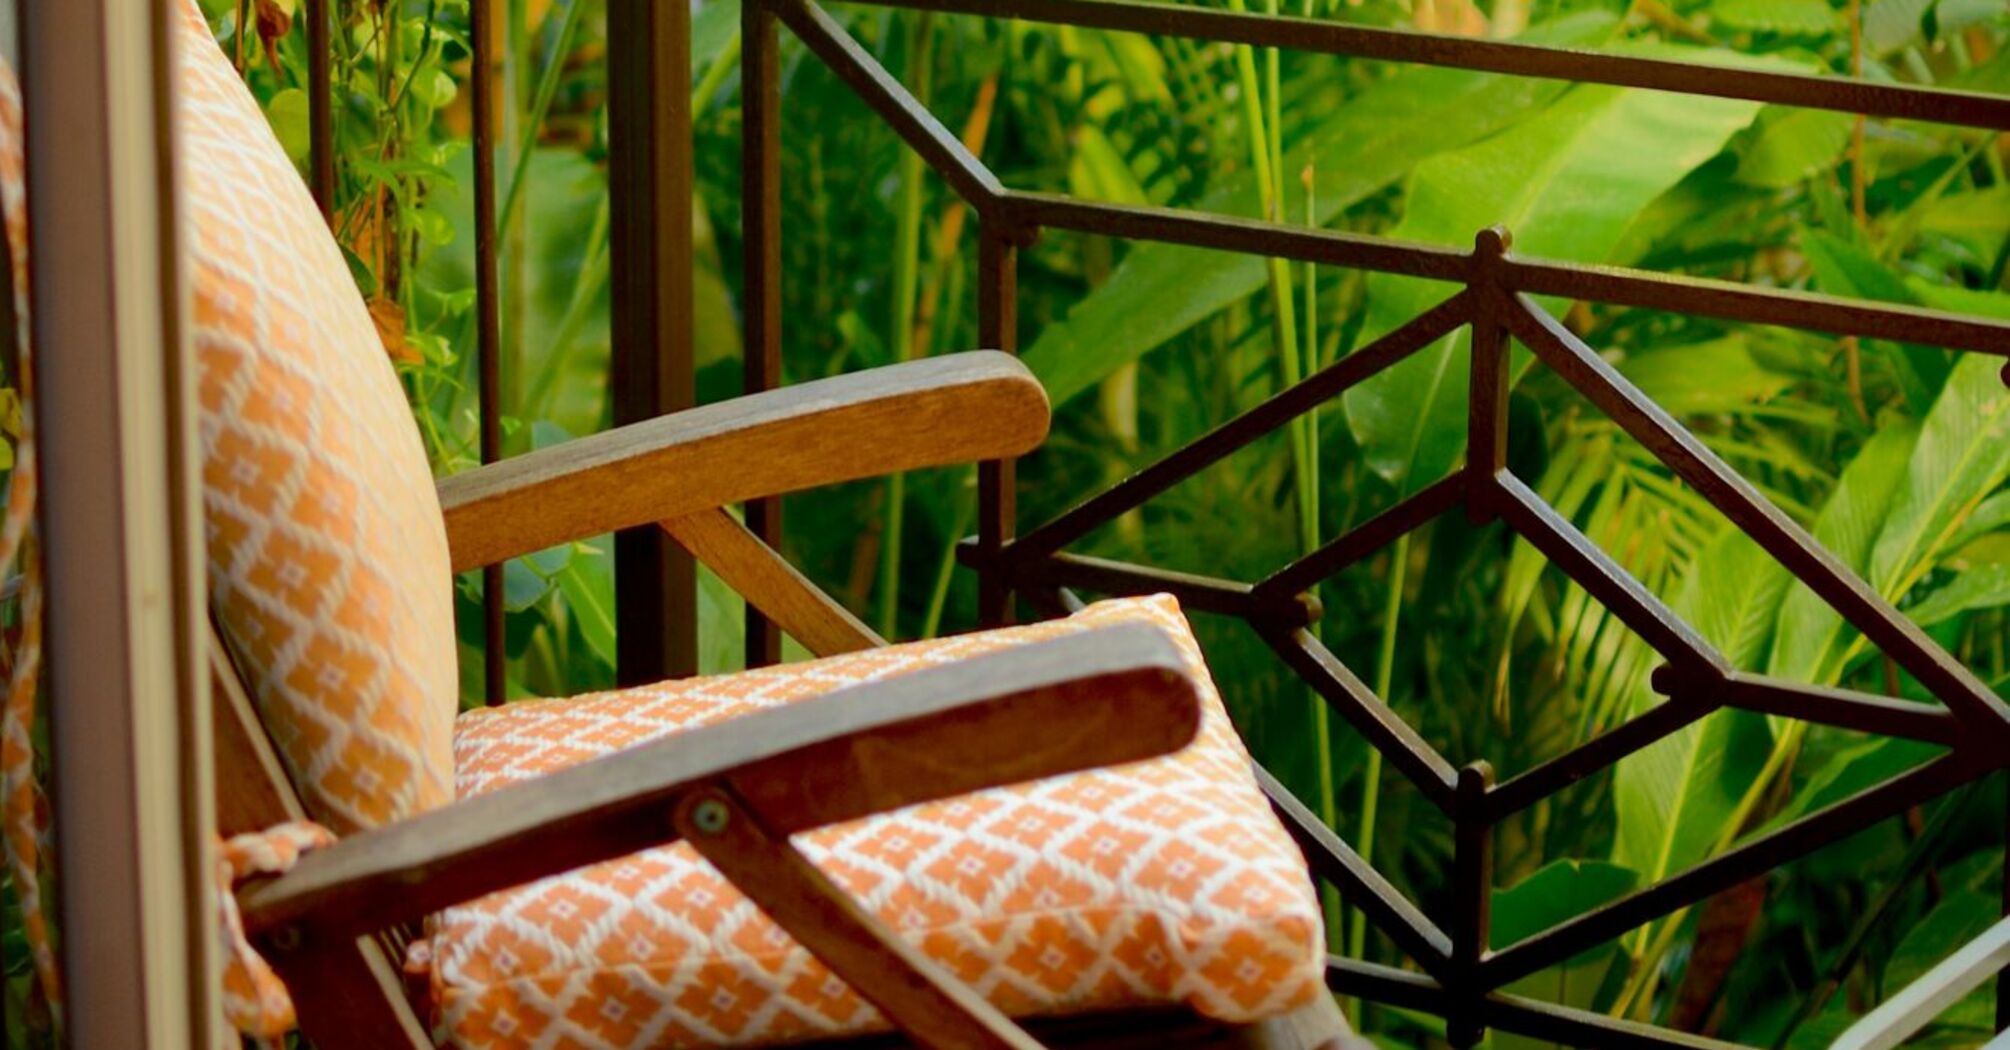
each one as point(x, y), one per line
point(328, 567)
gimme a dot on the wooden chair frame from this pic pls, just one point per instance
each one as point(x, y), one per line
point(735, 791)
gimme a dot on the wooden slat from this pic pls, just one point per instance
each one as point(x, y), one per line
point(253, 791)
point(960, 408)
point(757, 573)
point(910, 989)
point(1101, 698)
point(349, 995)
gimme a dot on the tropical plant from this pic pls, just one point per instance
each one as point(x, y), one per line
point(1896, 456)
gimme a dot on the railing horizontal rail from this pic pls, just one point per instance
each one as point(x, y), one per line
point(1599, 753)
point(1757, 304)
point(1368, 537)
point(1322, 386)
point(1614, 285)
point(1685, 454)
point(1206, 593)
point(1939, 105)
point(1843, 708)
point(1729, 868)
point(1514, 1013)
point(1248, 236)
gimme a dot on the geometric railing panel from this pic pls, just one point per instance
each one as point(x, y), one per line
point(1460, 979)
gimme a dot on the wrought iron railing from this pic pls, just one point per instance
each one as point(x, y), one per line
point(1457, 976)
point(1460, 978)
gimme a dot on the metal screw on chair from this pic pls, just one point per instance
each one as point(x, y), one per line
point(285, 939)
point(710, 816)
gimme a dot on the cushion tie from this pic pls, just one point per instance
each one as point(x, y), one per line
point(254, 998)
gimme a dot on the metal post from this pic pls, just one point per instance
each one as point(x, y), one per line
point(649, 110)
point(761, 292)
point(1472, 901)
point(997, 481)
point(488, 322)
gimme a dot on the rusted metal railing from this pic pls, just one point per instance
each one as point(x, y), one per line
point(1457, 975)
point(1460, 977)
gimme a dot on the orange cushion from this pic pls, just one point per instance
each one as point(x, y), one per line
point(328, 565)
point(1167, 881)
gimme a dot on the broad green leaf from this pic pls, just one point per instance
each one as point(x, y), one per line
point(1959, 918)
point(1891, 24)
point(588, 587)
point(1963, 456)
point(1978, 587)
point(1805, 17)
point(714, 26)
point(287, 113)
point(1558, 891)
point(1979, 213)
point(1964, 300)
point(1566, 184)
point(1709, 378)
point(1098, 171)
point(1161, 290)
point(1793, 144)
point(1952, 16)
point(1991, 514)
point(1674, 797)
point(722, 624)
point(523, 585)
point(1844, 764)
point(1809, 629)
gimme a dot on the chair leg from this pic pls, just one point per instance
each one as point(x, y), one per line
point(919, 997)
point(349, 997)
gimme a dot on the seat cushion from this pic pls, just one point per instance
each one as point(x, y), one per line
point(328, 568)
point(1162, 882)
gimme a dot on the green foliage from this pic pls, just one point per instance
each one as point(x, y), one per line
point(1895, 456)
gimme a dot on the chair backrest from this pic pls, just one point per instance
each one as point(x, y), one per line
point(328, 566)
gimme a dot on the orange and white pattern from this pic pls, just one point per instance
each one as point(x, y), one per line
point(255, 1001)
point(328, 564)
point(1167, 881)
point(26, 809)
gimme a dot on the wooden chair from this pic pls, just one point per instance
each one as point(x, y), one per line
point(331, 554)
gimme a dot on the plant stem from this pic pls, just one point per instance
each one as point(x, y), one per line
point(900, 330)
point(1385, 674)
point(547, 89)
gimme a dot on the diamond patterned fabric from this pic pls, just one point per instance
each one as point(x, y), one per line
point(1167, 881)
point(328, 567)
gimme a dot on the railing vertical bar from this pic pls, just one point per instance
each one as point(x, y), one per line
point(1472, 898)
point(488, 321)
point(652, 370)
point(320, 104)
point(761, 294)
point(997, 481)
point(1486, 424)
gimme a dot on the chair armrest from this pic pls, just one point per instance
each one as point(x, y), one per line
point(960, 408)
point(1100, 698)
